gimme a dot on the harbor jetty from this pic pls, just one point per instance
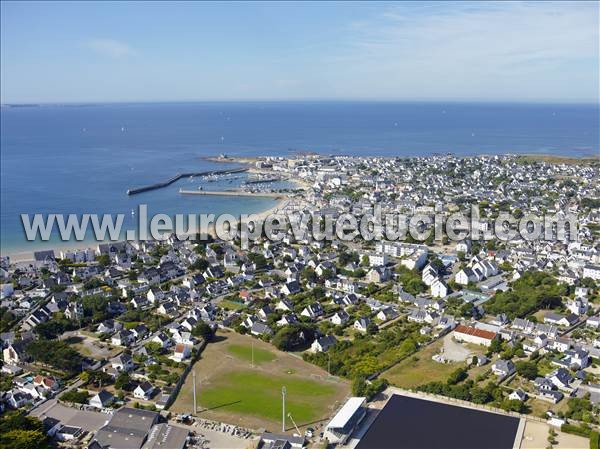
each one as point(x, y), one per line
point(178, 176)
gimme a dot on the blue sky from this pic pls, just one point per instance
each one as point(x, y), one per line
point(117, 51)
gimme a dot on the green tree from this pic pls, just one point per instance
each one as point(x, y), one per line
point(103, 260)
point(18, 431)
point(292, 337)
point(457, 376)
point(122, 381)
point(203, 330)
point(526, 369)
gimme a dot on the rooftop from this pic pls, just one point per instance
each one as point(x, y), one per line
point(411, 423)
point(346, 412)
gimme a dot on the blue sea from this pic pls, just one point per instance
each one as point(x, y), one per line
point(82, 158)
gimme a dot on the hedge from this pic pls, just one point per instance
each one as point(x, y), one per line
point(594, 440)
point(576, 430)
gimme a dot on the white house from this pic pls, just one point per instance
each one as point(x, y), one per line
point(593, 321)
point(122, 338)
point(122, 362)
point(577, 306)
point(322, 344)
point(340, 318)
point(285, 305)
point(439, 289)
point(464, 276)
point(377, 259)
point(592, 272)
point(101, 399)
point(162, 340)
point(387, 314)
point(503, 368)
point(143, 391)
point(518, 395)
point(181, 352)
point(362, 324)
point(429, 275)
point(312, 311)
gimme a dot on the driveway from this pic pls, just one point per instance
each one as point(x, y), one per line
point(454, 351)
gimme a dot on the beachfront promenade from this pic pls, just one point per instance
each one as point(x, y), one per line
point(233, 193)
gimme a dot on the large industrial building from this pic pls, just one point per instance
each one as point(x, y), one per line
point(408, 422)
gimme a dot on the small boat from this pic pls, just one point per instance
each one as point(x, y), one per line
point(132, 212)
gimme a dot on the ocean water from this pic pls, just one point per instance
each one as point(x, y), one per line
point(83, 158)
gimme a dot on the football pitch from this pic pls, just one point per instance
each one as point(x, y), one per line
point(230, 388)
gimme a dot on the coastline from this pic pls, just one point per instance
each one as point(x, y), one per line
point(19, 256)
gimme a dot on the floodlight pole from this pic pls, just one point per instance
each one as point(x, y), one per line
point(194, 382)
point(253, 354)
point(283, 391)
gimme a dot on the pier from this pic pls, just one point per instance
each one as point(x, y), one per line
point(232, 193)
point(178, 176)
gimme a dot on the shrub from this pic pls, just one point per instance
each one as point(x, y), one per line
point(594, 440)
point(576, 430)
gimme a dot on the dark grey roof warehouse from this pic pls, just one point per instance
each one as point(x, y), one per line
point(411, 423)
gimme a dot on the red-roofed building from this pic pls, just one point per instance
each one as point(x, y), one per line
point(246, 296)
point(181, 352)
point(473, 335)
point(47, 383)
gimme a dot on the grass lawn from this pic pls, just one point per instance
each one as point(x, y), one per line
point(539, 407)
point(231, 305)
point(259, 394)
point(419, 368)
point(244, 352)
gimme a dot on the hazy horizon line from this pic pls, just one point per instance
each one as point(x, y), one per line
point(301, 100)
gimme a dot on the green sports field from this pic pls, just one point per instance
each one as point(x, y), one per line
point(259, 394)
point(244, 352)
point(229, 389)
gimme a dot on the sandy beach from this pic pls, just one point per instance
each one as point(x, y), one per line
point(26, 256)
point(21, 255)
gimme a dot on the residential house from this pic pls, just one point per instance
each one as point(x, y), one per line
point(123, 362)
point(387, 314)
point(101, 400)
point(323, 344)
point(340, 318)
point(259, 328)
point(362, 324)
point(181, 352)
point(560, 320)
point(143, 391)
point(312, 311)
point(123, 338)
point(503, 368)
